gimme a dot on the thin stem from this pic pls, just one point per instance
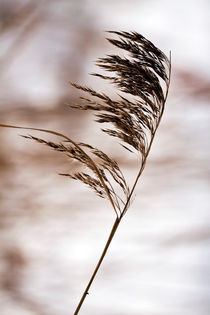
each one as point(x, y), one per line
point(118, 219)
point(112, 233)
point(151, 141)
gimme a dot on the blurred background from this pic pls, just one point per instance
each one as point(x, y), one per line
point(52, 230)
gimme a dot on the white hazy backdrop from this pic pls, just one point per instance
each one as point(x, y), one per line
point(52, 229)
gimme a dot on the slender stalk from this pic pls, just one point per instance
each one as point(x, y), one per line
point(112, 233)
point(118, 219)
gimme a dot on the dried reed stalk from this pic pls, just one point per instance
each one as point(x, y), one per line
point(143, 74)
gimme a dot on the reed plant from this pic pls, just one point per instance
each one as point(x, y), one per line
point(142, 78)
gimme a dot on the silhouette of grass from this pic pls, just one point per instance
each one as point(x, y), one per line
point(145, 75)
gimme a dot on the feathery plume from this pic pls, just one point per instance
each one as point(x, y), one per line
point(143, 75)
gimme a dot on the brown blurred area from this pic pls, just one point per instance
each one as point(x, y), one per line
point(51, 229)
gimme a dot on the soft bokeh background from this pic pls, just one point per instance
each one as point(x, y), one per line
point(52, 230)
